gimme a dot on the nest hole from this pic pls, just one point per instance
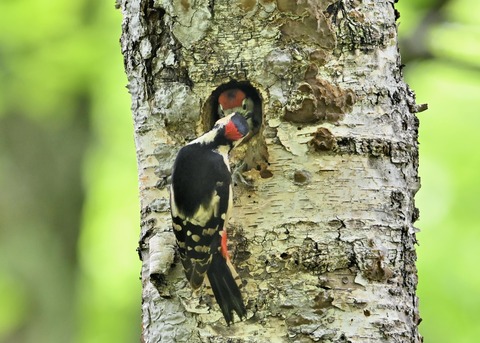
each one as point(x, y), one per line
point(210, 113)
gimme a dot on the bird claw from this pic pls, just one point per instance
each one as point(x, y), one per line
point(238, 178)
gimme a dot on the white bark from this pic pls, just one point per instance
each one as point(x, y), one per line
point(324, 242)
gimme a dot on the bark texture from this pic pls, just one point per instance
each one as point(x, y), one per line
point(324, 240)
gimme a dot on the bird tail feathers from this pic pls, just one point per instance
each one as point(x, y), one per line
point(225, 284)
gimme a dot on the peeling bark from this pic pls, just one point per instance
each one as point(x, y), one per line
point(323, 237)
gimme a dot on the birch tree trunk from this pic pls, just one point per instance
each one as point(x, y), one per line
point(323, 236)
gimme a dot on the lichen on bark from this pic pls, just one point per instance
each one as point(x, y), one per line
point(323, 234)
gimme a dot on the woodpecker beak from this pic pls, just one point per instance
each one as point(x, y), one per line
point(236, 128)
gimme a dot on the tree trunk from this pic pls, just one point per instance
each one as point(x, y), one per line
point(322, 235)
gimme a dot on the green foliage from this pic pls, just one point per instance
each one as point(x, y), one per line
point(71, 155)
point(14, 306)
point(449, 81)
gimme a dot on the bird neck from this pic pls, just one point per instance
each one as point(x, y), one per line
point(215, 140)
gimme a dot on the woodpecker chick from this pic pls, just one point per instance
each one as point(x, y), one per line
point(200, 203)
point(235, 100)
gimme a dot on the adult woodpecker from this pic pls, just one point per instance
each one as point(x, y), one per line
point(200, 202)
point(235, 100)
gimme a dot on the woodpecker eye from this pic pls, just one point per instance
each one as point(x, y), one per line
point(244, 105)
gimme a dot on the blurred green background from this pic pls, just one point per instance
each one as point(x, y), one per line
point(69, 219)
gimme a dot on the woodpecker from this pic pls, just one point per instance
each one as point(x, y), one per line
point(235, 100)
point(200, 203)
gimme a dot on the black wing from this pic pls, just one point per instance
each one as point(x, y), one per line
point(199, 178)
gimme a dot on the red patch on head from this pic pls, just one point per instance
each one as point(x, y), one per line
point(231, 98)
point(231, 131)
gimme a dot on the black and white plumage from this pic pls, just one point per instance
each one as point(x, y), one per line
point(200, 202)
